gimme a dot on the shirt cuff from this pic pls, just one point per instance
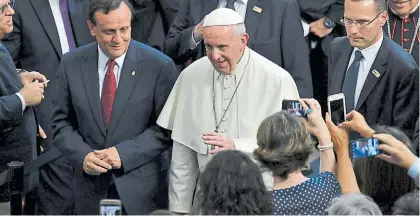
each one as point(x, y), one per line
point(22, 100)
point(414, 170)
point(193, 44)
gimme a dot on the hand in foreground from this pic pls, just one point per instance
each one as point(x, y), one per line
point(317, 126)
point(356, 122)
point(198, 31)
point(319, 29)
point(109, 156)
point(339, 136)
point(29, 77)
point(396, 152)
point(215, 139)
point(95, 166)
point(32, 93)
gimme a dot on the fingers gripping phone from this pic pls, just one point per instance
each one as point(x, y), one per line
point(337, 108)
point(110, 207)
point(293, 107)
point(365, 148)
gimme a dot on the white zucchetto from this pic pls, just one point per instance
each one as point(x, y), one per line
point(222, 17)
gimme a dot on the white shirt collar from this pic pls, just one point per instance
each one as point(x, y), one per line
point(370, 52)
point(103, 59)
point(243, 1)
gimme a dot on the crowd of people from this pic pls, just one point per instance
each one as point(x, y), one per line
point(177, 106)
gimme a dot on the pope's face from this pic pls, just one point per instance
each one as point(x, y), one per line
point(224, 47)
point(112, 31)
point(403, 7)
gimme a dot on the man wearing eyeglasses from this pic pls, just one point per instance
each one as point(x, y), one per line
point(43, 31)
point(18, 124)
point(378, 77)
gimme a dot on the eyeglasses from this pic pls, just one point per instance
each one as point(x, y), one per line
point(359, 23)
point(4, 8)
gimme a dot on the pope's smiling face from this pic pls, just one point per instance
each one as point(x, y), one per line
point(403, 7)
point(224, 46)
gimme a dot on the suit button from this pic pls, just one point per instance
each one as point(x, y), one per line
point(406, 30)
point(406, 39)
point(406, 20)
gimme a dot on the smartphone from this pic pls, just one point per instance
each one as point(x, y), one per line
point(110, 207)
point(365, 147)
point(293, 107)
point(337, 108)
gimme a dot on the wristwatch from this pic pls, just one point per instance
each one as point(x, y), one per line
point(328, 23)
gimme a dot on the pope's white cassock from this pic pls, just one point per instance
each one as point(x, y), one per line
point(189, 111)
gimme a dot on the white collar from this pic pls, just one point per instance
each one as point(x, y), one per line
point(103, 59)
point(369, 53)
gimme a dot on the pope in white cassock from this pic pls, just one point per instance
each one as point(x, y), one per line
point(218, 103)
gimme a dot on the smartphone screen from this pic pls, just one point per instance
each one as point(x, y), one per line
point(338, 114)
point(365, 147)
point(110, 210)
point(293, 107)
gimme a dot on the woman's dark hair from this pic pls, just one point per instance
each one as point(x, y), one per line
point(383, 181)
point(106, 6)
point(407, 204)
point(284, 144)
point(232, 184)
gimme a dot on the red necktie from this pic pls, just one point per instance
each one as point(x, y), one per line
point(109, 88)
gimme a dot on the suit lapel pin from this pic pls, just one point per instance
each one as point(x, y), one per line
point(376, 73)
point(257, 9)
point(133, 73)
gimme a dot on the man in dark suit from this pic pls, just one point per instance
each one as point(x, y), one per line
point(152, 19)
point(110, 135)
point(18, 95)
point(274, 28)
point(378, 77)
point(39, 35)
point(321, 19)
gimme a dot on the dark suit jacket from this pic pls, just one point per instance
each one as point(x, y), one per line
point(393, 98)
point(276, 33)
point(35, 46)
point(152, 19)
point(18, 130)
point(141, 143)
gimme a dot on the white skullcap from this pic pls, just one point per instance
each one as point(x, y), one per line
point(222, 17)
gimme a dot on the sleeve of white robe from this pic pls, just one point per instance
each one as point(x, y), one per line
point(182, 178)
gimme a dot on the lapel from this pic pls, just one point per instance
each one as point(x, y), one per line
point(378, 65)
point(77, 9)
point(340, 68)
point(252, 18)
point(128, 79)
point(43, 10)
point(91, 83)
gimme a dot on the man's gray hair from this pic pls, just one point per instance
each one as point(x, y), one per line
point(239, 29)
point(354, 204)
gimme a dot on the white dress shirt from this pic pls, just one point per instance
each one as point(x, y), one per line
point(240, 7)
point(55, 8)
point(369, 56)
point(103, 67)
